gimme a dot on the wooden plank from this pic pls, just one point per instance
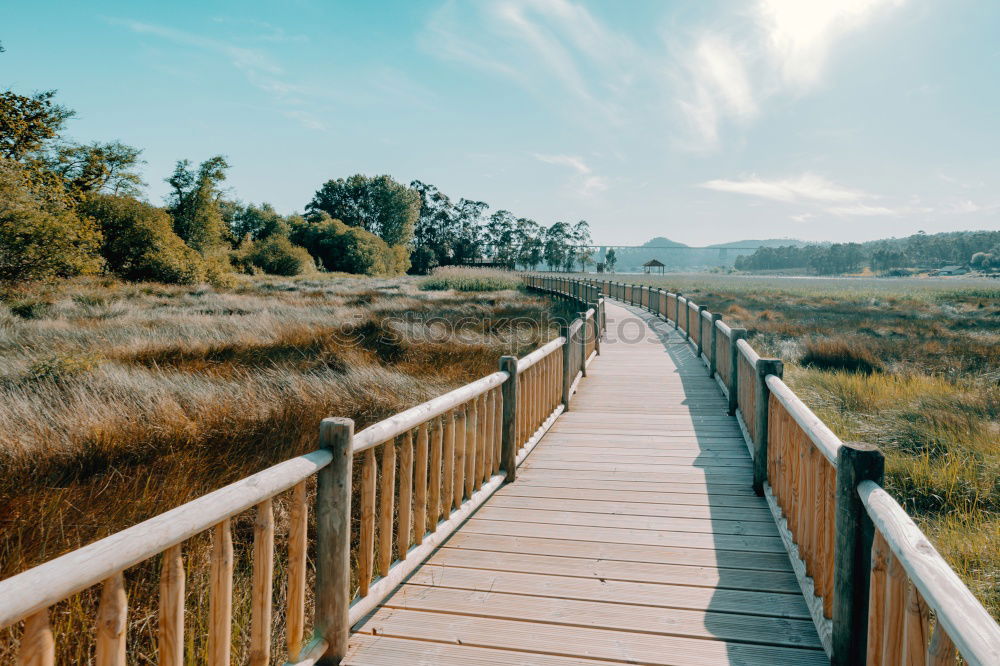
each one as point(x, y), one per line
point(580, 642)
point(620, 508)
point(592, 588)
point(627, 536)
point(597, 614)
point(371, 650)
point(542, 477)
point(261, 585)
point(642, 494)
point(622, 552)
point(646, 523)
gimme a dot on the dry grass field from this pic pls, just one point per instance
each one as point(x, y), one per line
point(120, 401)
point(910, 365)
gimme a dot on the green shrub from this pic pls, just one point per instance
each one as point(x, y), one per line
point(277, 255)
point(61, 366)
point(30, 308)
point(341, 248)
point(140, 243)
point(40, 235)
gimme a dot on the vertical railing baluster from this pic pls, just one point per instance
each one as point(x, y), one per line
point(387, 505)
point(366, 545)
point(221, 597)
point(420, 484)
point(170, 633)
point(112, 620)
point(297, 549)
point(260, 590)
point(404, 512)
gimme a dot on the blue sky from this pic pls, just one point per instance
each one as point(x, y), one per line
point(703, 121)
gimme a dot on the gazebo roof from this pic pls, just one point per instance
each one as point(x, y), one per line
point(654, 263)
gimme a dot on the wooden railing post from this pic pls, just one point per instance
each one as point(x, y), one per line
point(701, 330)
point(583, 342)
point(677, 309)
point(508, 429)
point(853, 538)
point(713, 341)
point(735, 335)
point(333, 539)
point(596, 327)
point(764, 367)
point(567, 364)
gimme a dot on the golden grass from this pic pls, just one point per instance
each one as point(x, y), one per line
point(118, 402)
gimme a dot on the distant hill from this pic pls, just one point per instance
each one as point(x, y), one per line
point(681, 256)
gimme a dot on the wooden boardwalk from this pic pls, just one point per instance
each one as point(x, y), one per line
point(631, 535)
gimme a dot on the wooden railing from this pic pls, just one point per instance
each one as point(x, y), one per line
point(422, 472)
point(877, 590)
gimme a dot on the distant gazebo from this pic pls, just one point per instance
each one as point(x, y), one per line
point(651, 264)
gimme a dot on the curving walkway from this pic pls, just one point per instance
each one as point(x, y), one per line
point(630, 536)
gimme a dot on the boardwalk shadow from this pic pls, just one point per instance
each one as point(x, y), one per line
point(756, 607)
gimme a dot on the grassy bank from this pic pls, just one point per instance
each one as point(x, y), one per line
point(910, 365)
point(120, 401)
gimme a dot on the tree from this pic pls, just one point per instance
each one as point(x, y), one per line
point(258, 222)
point(530, 244)
point(377, 204)
point(434, 230)
point(610, 259)
point(500, 234)
point(194, 203)
point(468, 230)
point(139, 242)
point(98, 167)
point(41, 236)
point(556, 245)
point(27, 123)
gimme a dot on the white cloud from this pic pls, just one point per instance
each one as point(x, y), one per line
point(807, 187)
point(307, 120)
point(800, 34)
point(863, 210)
point(783, 46)
point(586, 182)
point(575, 163)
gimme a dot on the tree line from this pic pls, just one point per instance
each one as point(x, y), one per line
point(69, 209)
point(978, 249)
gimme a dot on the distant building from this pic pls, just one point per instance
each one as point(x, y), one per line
point(952, 270)
point(651, 264)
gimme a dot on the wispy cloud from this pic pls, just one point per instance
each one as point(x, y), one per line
point(586, 183)
point(807, 187)
point(306, 119)
point(257, 66)
point(554, 49)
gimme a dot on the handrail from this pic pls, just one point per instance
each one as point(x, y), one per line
point(819, 433)
point(723, 327)
point(395, 425)
point(540, 353)
point(749, 352)
point(39, 587)
point(969, 626)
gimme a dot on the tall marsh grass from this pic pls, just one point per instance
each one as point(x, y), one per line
point(461, 278)
point(121, 401)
